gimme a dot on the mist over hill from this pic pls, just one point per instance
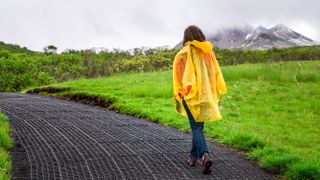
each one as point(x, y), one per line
point(249, 37)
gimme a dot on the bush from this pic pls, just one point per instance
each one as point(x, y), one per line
point(16, 72)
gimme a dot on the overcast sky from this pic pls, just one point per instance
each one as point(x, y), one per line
point(124, 24)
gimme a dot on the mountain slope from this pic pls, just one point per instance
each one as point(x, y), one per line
point(229, 38)
point(278, 36)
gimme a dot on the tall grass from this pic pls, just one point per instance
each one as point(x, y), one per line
point(279, 72)
point(271, 110)
point(5, 146)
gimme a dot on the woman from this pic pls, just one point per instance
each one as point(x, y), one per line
point(197, 84)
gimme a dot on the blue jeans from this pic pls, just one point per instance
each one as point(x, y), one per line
point(199, 145)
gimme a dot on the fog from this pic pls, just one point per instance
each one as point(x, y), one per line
point(79, 24)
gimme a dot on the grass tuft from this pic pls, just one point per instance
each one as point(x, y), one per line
point(244, 141)
point(304, 170)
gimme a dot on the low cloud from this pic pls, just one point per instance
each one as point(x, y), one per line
point(126, 24)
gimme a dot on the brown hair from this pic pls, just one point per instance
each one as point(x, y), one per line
point(193, 33)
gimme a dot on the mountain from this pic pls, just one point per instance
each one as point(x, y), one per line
point(286, 33)
point(229, 38)
point(248, 37)
point(279, 36)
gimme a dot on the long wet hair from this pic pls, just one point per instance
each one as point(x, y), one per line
point(193, 33)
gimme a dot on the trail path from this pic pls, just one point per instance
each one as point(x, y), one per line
point(58, 139)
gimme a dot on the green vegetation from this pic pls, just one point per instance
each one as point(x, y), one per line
point(5, 146)
point(14, 48)
point(21, 68)
point(271, 111)
point(240, 56)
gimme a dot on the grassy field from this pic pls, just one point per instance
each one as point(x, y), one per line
point(5, 146)
point(271, 111)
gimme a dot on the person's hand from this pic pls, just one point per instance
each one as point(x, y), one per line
point(188, 89)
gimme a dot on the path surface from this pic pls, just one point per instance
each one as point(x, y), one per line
point(57, 139)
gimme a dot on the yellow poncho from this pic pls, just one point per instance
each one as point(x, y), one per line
point(197, 79)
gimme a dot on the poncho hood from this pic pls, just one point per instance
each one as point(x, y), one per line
point(205, 46)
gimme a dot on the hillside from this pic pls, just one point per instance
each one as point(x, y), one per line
point(14, 48)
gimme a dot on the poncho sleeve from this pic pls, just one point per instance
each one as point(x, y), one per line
point(189, 75)
point(178, 70)
point(184, 75)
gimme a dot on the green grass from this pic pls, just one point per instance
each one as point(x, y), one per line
point(271, 111)
point(5, 146)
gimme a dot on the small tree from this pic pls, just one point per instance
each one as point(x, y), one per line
point(50, 49)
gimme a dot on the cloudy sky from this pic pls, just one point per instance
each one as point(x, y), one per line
point(124, 24)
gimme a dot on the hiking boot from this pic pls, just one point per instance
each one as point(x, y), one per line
point(206, 164)
point(192, 161)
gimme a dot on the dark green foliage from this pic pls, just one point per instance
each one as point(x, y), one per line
point(21, 68)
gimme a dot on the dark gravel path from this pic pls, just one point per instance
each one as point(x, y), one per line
point(57, 139)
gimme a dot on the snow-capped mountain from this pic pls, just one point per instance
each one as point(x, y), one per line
point(229, 38)
point(248, 37)
point(286, 33)
point(278, 36)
